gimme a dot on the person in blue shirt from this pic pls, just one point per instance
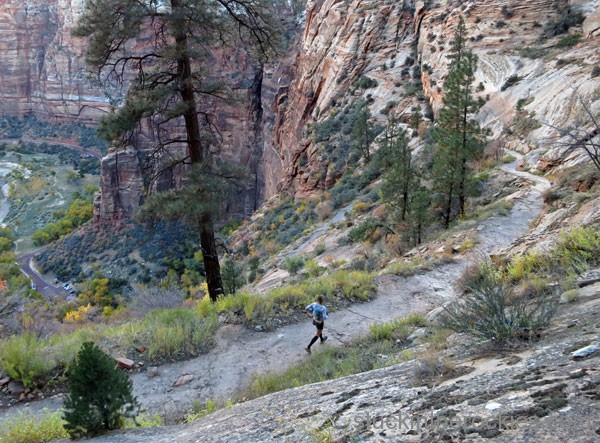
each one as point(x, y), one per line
point(318, 313)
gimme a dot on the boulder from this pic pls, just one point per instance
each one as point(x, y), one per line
point(183, 380)
point(15, 388)
point(125, 363)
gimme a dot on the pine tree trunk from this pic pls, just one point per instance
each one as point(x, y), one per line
point(448, 209)
point(197, 154)
point(210, 257)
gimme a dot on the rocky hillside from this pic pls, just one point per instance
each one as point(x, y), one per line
point(538, 63)
point(393, 54)
point(547, 393)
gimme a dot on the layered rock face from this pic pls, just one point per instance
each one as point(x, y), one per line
point(341, 42)
point(42, 67)
point(385, 41)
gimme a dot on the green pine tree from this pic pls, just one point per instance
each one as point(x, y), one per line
point(166, 48)
point(400, 175)
point(99, 395)
point(363, 132)
point(458, 137)
point(233, 276)
point(418, 218)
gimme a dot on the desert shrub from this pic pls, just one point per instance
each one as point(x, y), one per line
point(312, 268)
point(323, 210)
point(99, 394)
point(29, 428)
point(493, 310)
point(293, 264)
point(24, 359)
point(570, 296)
point(595, 71)
point(506, 11)
point(320, 248)
point(564, 21)
point(525, 265)
point(510, 81)
point(569, 41)
point(398, 329)
point(198, 411)
point(432, 366)
point(177, 332)
point(364, 231)
point(531, 52)
point(577, 249)
point(147, 298)
point(365, 82)
point(353, 285)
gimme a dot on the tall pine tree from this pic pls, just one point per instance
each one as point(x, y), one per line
point(458, 137)
point(167, 47)
point(400, 177)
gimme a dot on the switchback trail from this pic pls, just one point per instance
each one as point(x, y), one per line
point(228, 367)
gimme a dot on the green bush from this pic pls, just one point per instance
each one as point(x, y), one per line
point(510, 81)
point(365, 82)
point(172, 333)
point(565, 20)
point(363, 231)
point(398, 329)
point(531, 52)
point(569, 41)
point(293, 264)
point(24, 358)
point(29, 428)
point(99, 394)
point(577, 249)
point(493, 310)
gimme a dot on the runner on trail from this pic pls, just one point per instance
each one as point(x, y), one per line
point(318, 313)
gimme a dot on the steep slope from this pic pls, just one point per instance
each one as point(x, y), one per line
point(400, 45)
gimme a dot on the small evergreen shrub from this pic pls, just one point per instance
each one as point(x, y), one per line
point(510, 81)
point(569, 41)
point(99, 395)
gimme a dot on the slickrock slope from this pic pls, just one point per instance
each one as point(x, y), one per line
point(541, 394)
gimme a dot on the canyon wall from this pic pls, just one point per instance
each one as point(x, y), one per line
point(43, 73)
point(42, 67)
point(401, 46)
point(390, 41)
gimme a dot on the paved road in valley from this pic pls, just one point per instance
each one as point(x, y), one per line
point(47, 289)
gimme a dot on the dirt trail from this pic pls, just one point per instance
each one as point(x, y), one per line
point(239, 352)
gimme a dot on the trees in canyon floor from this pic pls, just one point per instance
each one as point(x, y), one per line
point(163, 53)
